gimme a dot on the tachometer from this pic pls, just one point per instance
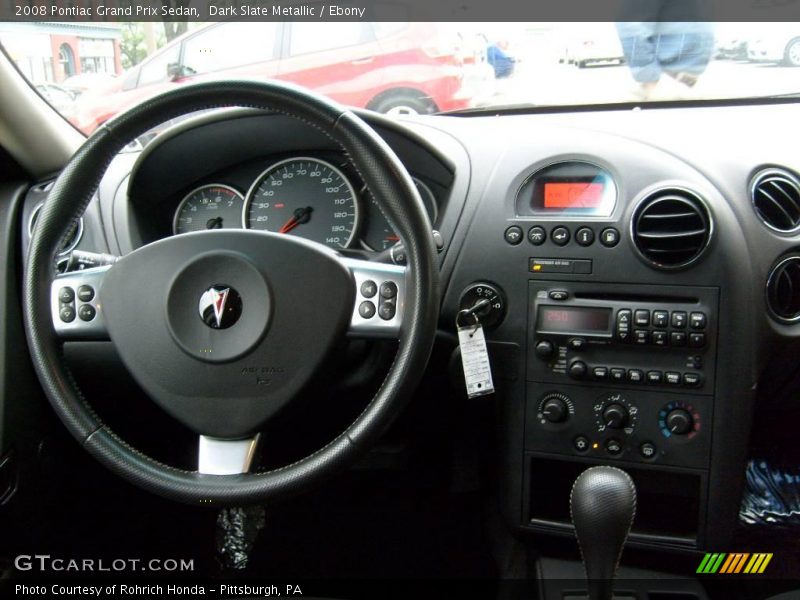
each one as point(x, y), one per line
point(307, 197)
point(379, 235)
point(214, 206)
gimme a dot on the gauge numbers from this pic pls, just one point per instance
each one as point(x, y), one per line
point(208, 207)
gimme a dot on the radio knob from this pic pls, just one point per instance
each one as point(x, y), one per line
point(679, 421)
point(578, 369)
point(555, 410)
point(615, 416)
point(545, 349)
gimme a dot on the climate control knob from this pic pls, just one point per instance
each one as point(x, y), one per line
point(555, 410)
point(615, 416)
point(578, 369)
point(679, 421)
point(545, 349)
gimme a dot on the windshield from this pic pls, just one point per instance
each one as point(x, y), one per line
point(91, 71)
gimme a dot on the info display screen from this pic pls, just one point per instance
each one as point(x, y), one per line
point(573, 195)
point(572, 319)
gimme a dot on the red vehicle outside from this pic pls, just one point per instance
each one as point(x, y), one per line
point(398, 68)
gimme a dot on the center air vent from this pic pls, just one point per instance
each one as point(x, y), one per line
point(671, 228)
point(783, 290)
point(776, 199)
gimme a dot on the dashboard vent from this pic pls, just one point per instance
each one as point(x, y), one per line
point(783, 290)
point(671, 228)
point(776, 199)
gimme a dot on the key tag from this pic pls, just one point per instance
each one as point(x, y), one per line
point(474, 355)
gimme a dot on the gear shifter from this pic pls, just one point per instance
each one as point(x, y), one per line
point(602, 505)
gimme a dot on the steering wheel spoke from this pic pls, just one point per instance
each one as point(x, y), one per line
point(226, 457)
point(379, 300)
point(75, 305)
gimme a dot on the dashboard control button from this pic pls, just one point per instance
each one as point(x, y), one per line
point(697, 340)
point(555, 410)
point(600, 373)
point(623, 332)
point(647, 450)
point(609, 237)
point(387, 310)
point(558, 295)
point(86, 312)
point(578, 369)
point(388, 289)
point(576, 343)
point(615, 416)
point(513, 235)
point(581, 443)
point(679, 319)
point(66, 295)
point(635, 376)
point(584, 236)
point(641, 336)
point(369, 288)
point(655, 377)
point(641, 318)
point(697, 320)
point(659, 338)
point(560, 236)
point(545, 349)
point(672, 378)
point(692, 379)
point(695, 361)
point(67, 314)
point(366, 309)
point(617, 374)
point(613, 447)
point(679, 421)
point(677, 338)
point(660, 318)
point(537, 235)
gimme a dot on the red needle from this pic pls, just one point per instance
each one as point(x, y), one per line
point(300, 216)
point(289, 225)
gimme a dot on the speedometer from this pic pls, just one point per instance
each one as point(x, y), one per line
point(214, 206)
point(306, 197)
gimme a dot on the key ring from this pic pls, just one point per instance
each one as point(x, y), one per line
point(468, 313)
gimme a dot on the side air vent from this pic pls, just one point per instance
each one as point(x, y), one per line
point(776, 199)
point(671, 228)
point(783, 290)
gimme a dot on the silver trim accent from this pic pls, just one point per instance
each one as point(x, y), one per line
point(667, 191)
point(375, 326)
point(757, 178)
point(258, 180)
point(216, 456)
point(79, 329)
point(192, 193)
point(77, 236)
point(770, 277)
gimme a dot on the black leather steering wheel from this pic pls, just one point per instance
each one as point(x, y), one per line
point(222, 335)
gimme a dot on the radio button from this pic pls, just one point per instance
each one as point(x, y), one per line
point(600, 373)
point(655, 377)
point(558, 294)
point(672, 378)
point(679, 319)
point(576, 343)
point(609, 237)
point(544, 349)
point(578, 369)
point(584, 236)
point(677, 338)
point(513, 235)
point(635, 376)
point(641, 336)
point(641, 318)
point(697, 340)
point(617, 374)
point(660, 338)
point(624, 325)
point(537, 235)
point(560, 236)
point(660, 318)
point(692, 379)
point(697, 320)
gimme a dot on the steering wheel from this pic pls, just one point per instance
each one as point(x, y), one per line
point(214, 326)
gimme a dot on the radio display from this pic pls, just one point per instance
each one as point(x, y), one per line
point(573, 194)
point(557, 319)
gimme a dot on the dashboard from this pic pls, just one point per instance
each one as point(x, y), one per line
point(640, 266)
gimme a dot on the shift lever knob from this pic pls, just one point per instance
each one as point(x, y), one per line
point(602, 504)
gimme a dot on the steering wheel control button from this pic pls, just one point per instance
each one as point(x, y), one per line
point(647, 450)
point(584, 237)
point(66, 295)
point(86, 312)
point(86, 293)
point(67, 314)
point(366, 309)
point(220, 307)
point(513, 235)
point(635, 376)
point(613, 447)
point(679, 319)
point(537, 235)
point(388, 290)
point(387, 310)
point(609, 237)
point(560, 236)
point(697, 320)
point(697, 340)
point(369, 288)
point(581, 443)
